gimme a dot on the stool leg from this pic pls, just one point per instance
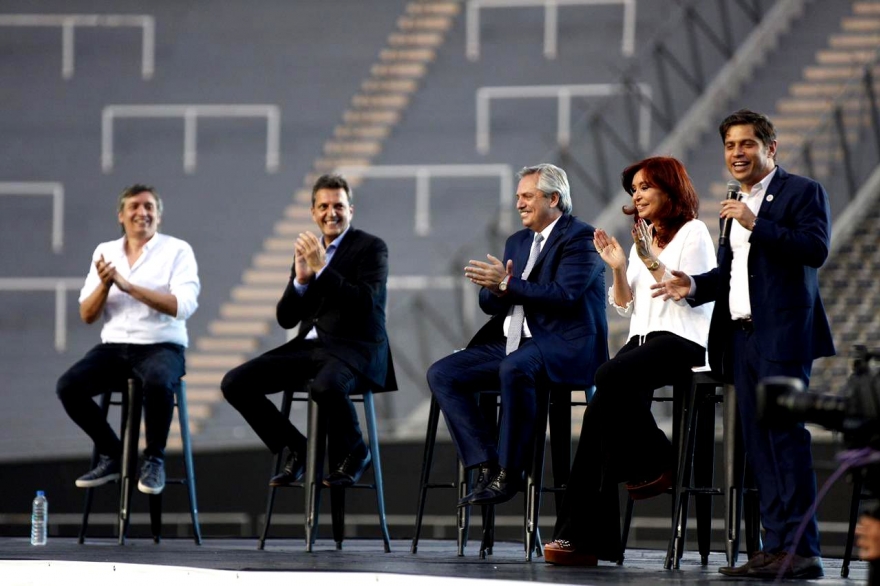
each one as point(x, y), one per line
point(129, 455)
point(535, 479)
point(286, 400)
point(186, 441)
point(487, 540)
point(462, 514)
point(314, 476)
point(156, 517)
point(105, 408)
point(704, 468)
point(853, 519)
point(683, 416)
point(337, 515)
point(427, 464)
point(733, 476)
point(560, 444)
point(627, 521)
point(373, 433)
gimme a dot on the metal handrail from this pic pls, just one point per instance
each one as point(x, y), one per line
point(51, 188)
point(472, 23)
point(563, 94)
point(423, 175)
point(69, 22)
point(190, 114)
point(60, 285)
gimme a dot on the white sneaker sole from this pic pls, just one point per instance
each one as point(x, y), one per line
point(96, 481)
point(149, 490)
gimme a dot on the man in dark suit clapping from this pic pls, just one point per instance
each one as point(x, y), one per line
point(548, 326)
point(337, 294)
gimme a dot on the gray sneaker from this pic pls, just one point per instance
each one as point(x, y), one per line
point(152, 479)
point(106, 471)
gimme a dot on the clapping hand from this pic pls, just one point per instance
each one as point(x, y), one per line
point(609, 249)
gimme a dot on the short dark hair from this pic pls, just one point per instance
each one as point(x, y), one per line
point(331, 182)
point(764, 129)
point(134, 190)
point(669, 176)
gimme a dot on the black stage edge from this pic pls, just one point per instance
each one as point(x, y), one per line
point(435, 558)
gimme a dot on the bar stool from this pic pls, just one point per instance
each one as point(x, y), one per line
point(312, 483)
point(550, 409)
point(131, 404)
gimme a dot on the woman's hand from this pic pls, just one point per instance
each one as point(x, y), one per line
point(642, 237)
point(609, 249)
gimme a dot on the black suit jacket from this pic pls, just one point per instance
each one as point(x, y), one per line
point(789, 243)
point(347, 306)
point(563, 299)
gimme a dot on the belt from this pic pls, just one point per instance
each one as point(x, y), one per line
point(746, 325)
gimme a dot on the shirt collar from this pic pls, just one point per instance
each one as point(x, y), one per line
point(762, 185)
point(335, 244)
point(546, 231)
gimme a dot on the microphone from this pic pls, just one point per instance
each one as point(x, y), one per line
point(733, 188)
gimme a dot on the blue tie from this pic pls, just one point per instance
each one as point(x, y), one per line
point(517, 314)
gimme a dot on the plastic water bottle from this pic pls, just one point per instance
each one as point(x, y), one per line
point(39, 519)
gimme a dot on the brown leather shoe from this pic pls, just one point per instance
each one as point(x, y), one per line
point(767, 566)
point(562, 553)
point(650, 488)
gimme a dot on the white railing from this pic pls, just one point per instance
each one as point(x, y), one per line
point(563, 94)
point(550, 22)
point(190, 114)
point(60, 285)
point(423, 175)
point(53, 189)
point(68, 22)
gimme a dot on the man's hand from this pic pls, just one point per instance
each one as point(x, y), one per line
point(488, 274)
point(309, 257)
point(868, 538)
point(739, 211)
point(106, 272)
point(676, 288)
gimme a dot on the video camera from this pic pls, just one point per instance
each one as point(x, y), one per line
point(855, 412)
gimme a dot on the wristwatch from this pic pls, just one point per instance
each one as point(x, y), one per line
point(502, 286)
point(654, 265)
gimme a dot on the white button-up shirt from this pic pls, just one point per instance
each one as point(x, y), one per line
point(167, 265)
point(740, 300)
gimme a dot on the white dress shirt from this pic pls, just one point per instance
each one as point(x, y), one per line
point(546, 234)
point(691, 251)
point(166, 265)
point(740, 300)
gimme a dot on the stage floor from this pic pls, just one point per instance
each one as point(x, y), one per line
point(179, 561)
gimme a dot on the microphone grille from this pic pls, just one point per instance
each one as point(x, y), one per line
point(734, 185)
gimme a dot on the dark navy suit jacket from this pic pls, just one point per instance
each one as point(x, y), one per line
point(563, 299)
point(347, 306)
point(789, 243)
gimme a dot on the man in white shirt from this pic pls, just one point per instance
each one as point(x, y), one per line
point(145, 286)
point(768, 321)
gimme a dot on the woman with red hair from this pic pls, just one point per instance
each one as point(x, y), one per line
point(620, 440)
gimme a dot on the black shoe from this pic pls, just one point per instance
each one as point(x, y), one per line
point(767, 566)
point(349, 470)
point(291, 473)
point(502, 488)
point(152, 477)
point(488, 470)
point(106, 471)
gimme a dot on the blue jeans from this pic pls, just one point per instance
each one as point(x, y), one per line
point(157, 367)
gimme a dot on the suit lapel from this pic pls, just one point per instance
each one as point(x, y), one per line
point(773, 190)
point(346, 247)
point(555, 236)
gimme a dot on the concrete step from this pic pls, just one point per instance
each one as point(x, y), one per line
point(266, 260)
point(854, 41)
point(380, 101)
point(402, 86)
point(424, 23)
point(845, 57)
point(406, 70)
point(196, 360)
point(814, 105)
point(416, 39)
point(265, 277)
point(243, 345)
point(330, 164)
point(362, 132)
point(860, 24)
point(346, 148)
point(433, 8)
point(259, 294)
point(372, 117)
point(866, 8)
point(265, 311)
point(238, 328)
point(292, 227)
point(410, 55)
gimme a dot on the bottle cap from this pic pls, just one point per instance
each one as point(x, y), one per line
point(41, 493)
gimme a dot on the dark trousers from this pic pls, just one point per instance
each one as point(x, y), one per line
point(157, 367)
point(292, 366)
point(620, 440)
point(454, 380)
point(779, 455)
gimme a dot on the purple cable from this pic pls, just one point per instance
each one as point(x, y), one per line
point(848, 459)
